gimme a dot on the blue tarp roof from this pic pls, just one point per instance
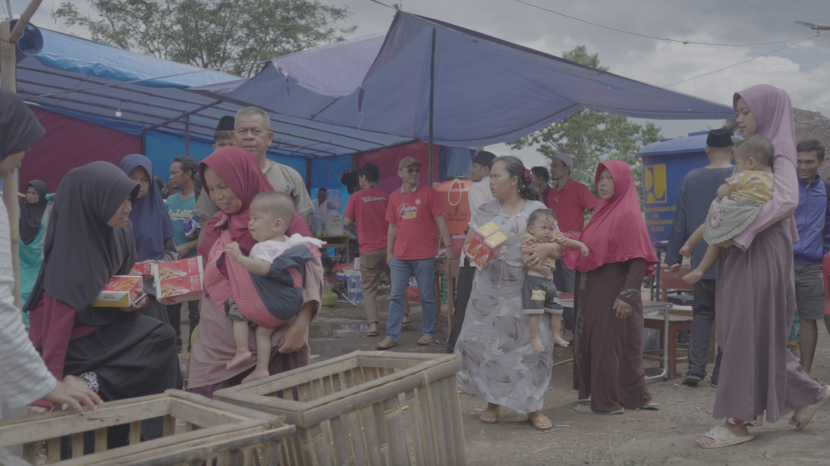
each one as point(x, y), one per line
point(101, 80)
point(486, 90)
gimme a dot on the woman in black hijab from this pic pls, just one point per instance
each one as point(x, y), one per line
point(33, 215)
point(119, 352)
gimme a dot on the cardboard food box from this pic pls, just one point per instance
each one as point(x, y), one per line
point(142, 269)
point(120, 291)
point(179, 281)
point(482, 233)
point(489, 250)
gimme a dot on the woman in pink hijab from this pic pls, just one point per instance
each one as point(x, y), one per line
point(756, 294)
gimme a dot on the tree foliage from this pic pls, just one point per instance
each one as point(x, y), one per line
point(236, 36)
point(591, 136)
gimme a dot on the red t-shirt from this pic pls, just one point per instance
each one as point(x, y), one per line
point(569, 204)
point(414, 213)
point(367, 208)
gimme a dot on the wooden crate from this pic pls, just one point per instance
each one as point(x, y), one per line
point(366, 407)
point(230, 434)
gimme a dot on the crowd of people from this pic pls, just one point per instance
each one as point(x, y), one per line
point(249, 219)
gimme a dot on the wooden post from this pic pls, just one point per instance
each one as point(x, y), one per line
point(431, 103)
point(9, 80)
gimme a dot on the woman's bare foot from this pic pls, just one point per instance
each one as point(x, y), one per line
point(738, 431)
point(491, 414)
point(693, 277)
point(559, 341)
point(238, 360)
point(256, 375)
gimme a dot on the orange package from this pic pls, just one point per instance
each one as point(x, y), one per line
point(179, 281)
point(489, 250)
point(482, 233)
point(142, 269)
point(120, 291)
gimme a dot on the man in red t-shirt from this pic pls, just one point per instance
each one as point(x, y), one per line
point(367, 209)
point(569, 201)
point(416, 216)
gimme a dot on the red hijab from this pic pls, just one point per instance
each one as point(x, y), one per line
point(241, 171)
point(617, 231)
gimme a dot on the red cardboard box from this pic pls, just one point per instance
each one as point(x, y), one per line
point(489, 250)
point(482, 233)
point(142, 269)
point(120, 291)
point(179, 281)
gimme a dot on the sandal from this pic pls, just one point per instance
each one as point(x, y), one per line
point(723, 437)
point(406, 320)
point(652, 406)
point(599, 413)
point(540, 420)
point(386, 344)
point(805, 415)
point(692, 380)
point(426, 339)
point(492, 417)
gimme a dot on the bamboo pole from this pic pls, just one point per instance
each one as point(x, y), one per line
point(8, 80)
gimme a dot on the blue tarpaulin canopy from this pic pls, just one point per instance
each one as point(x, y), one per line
point(486, 90)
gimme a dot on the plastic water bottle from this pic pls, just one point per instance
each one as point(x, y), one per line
point(355, 287)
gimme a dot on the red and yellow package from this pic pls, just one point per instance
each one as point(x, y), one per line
point(179, 281)
point(482, 233)
point(120, 291)
point(142, 269)
point(489, 250)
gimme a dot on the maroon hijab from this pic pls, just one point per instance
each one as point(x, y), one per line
point(241, 171)
point(617, 231)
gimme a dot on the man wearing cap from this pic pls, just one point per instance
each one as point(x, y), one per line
point(416, 216)
point(697, 191)
point(569, 201)
point(252, 132)
point(478, 194)
point(812, 217)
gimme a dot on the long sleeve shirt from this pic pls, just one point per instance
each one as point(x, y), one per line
point(23, 375)
point(812, 217)
point(697, 191)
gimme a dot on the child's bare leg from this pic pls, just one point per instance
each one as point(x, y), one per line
point(240, 337)
point(694, 240)
point(555, 328)
point(533, 322)
point(263, 354)
point(712, 255)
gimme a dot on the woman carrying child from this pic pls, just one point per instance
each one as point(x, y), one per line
point(608, 332)
point(756, 294)
point(152, 228)
point(232, 178)
point(498, 363)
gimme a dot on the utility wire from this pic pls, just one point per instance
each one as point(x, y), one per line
point(742, 62)
point(669, 39)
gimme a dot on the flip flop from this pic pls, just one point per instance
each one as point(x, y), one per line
point(600, 413)
point(371, 334)
point(652, 406)
point(494, 416)
point(805, 415)
point(407, 322)
point(692, 380)
point(723, 437)
point(380, 346)
point(423, 342)
point(534, 420)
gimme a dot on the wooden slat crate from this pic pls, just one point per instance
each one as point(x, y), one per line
point(365, 408)
point(195, 429)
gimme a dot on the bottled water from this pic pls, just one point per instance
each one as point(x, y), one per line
point(355, 287)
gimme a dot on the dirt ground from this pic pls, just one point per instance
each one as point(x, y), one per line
point(636, 438)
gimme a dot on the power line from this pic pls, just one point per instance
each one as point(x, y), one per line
point(669, 39)
point(742, 62)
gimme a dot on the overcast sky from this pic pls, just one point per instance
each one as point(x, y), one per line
point(802, 70)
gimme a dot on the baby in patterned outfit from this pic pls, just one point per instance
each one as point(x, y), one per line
point(739, 202)
point(539, 295)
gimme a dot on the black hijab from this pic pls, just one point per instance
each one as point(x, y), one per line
point(80, 251)
point(19, 128)
point(31, 215)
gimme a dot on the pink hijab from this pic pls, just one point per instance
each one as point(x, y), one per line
point(774, 114)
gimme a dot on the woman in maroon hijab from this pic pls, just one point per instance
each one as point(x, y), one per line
point(232, 178)
point(608, 334)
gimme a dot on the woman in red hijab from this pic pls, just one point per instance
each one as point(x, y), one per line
point(608, 338)
point(232, 178)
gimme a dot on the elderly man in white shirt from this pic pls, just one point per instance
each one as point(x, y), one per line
point(478, 194)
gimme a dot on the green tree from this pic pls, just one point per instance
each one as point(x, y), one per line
point(236, 36)
point(591, 136)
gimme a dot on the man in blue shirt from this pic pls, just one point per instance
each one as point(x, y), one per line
point(183, 172)
point(812, 217)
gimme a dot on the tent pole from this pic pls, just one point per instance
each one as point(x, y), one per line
point(187, 135)
point(308, 169)
point(431, 103)
point(10, 188)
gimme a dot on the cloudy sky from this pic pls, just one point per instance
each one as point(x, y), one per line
point(803, 70)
